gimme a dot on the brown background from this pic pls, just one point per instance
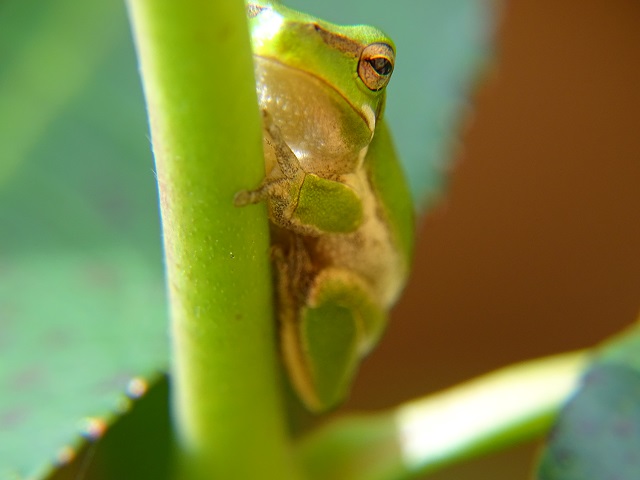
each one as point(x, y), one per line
point(535, 249)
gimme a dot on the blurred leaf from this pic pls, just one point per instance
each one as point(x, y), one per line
point(597, 435)
point(484, 414)
point(85, 176)
point(442, 47)
point(44, 65)
point(138, 446)
point(71, 351)
point(82, 302)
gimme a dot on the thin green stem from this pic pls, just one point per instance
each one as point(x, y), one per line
point(502, 408)
point(197, 73)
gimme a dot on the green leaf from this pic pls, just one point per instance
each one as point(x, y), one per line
point(66, 360)
point(82, 301)
point(597, 434)
point(140, 445)
point(442, 47)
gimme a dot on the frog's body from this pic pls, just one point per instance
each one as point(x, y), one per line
point(341, 215)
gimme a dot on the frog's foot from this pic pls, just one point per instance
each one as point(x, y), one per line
point(323, 348)
point(248, 197)
point(269, 188)
point(286, 185)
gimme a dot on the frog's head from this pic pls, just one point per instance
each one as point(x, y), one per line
point(355, 61)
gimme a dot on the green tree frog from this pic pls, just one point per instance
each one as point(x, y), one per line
point(340, 212)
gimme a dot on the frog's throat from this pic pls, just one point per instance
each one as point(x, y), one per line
point(365, 111)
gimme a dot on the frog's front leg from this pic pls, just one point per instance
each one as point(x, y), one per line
point(303, 202)
point(283, 184)
point(336, 326)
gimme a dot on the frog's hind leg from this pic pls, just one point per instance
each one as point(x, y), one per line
point(291, 262)
point(323, 346)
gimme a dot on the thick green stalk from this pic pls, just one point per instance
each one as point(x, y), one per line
point(198, 79)
point(498, 409)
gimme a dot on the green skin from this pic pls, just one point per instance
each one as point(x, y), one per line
point(340, 210)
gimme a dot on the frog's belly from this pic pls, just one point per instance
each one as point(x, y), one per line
point(371, 251)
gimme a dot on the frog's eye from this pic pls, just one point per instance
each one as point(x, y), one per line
point(376, 65)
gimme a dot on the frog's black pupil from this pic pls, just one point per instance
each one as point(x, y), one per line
point(381, 65)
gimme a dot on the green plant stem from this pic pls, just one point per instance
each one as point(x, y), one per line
point(502, 408)
point(197, 74)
